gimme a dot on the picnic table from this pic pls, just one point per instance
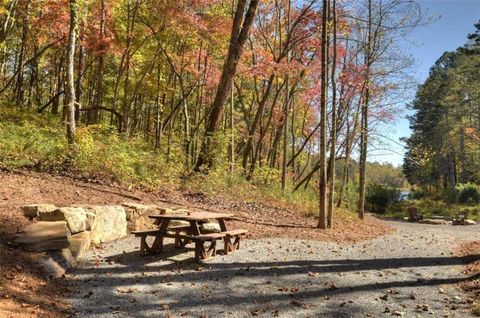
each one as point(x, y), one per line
point(185, 234)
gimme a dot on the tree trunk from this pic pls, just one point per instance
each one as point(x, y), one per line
point(322, 220)
point(70, 111)
point(364, 119)
point(333, 135)
point(240, 29)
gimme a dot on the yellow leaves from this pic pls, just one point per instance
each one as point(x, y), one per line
point(472, 133)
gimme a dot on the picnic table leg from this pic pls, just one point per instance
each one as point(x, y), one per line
point(222, 224)
point(231, 246)
point(194, 228)
point(157, 246)
point(202, 253)
point(180, 242)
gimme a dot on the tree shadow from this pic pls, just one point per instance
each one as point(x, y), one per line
point(111, 278)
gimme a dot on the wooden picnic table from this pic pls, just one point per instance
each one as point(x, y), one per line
point(194, 218)
point(185, 234)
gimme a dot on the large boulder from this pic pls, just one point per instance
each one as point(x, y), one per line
point(470, 222)
point(34, 210)
point(211, 227)
point(78, 219)
point(137, 216)
point(178, 223)
point(109, 223)
point(44, 236)
point(435, 221)
point(80, 243)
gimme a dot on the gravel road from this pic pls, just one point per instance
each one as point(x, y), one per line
point(410, 273)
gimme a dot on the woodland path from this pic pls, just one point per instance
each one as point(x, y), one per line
point(411, 273)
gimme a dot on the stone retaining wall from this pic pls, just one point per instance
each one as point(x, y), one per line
point(59, 236)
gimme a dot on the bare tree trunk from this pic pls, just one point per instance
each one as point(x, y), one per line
point(333, 134)
point(98, 99)
point(232, 134)
point(70, 111)
point(240, 29)
point(78, 86)
point(322, 220)
point(364, 118)
point(21, 57)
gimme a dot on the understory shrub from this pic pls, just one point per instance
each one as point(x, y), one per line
point(468, 193)
point(39, 142)
point(379, 198)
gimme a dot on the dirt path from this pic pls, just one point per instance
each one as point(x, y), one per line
point(410, 273)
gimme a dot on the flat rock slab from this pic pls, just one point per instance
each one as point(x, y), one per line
point(44, 236)
point(109, 224)
point(211, 227)
point(435, 222)
point(33, 210)
point(137, 216)
point(78, 218)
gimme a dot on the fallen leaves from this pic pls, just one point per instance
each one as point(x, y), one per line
point(125, 290)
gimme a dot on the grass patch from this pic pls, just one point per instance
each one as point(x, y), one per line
point(429, 208)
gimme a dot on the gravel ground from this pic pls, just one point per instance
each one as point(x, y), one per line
point(410, 273)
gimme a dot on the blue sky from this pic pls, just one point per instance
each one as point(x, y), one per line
point(455, 19)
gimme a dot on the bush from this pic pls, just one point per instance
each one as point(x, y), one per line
point(38, 142)
point(418, 194)
point(468, 193)
point(379, 198)
point(350, 195)
point(448, 195)
point(28, 145)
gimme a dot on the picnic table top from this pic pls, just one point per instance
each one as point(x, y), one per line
point(192, 216)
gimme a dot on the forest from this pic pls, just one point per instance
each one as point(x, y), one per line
point(442, 158)
point(272, 92)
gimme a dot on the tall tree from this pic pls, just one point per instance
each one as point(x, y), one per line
point(240, 30)
point(333, 133)
point(322, 216)
point(70, 111)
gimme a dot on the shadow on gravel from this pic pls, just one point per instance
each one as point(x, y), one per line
point(142, 270)
point(132, 261)
point(281, 301)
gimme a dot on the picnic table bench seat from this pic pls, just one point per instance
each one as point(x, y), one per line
point(143, 234)
point(414, 215)
point(460, 218)
point(229, 246)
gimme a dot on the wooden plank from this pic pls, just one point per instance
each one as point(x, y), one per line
point(207, 237)
point(236, 232)
point(195, 216)
point(146, 233)
point(179, 227)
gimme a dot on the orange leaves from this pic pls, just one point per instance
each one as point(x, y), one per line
point(472, 133)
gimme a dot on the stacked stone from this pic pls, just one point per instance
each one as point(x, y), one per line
point(60, 235)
